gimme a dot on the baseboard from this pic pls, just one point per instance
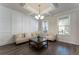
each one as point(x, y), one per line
point(22, 43)
point(8, 44)
point(14, 43)
point(68, 42)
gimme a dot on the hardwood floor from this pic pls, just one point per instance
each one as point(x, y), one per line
point(54, 48)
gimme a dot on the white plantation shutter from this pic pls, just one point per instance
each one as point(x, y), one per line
point(63, 25)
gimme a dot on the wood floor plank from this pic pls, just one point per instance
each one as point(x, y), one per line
point(54, 48)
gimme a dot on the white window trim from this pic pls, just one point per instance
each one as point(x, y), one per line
point(48, 23)
point(58, 21)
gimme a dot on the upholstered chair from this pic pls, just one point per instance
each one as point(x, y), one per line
point(21, 38)
point(34, 34)
point(50, 36)
point(28, 36)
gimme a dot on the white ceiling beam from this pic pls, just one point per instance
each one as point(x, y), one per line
point(32, 10)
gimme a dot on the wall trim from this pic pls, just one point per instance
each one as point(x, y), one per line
point(68, 42)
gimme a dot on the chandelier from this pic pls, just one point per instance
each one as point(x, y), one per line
point(39, 16)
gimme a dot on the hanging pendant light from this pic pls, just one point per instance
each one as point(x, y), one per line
point(39, 15)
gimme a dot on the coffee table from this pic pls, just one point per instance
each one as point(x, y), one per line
point(38, 43)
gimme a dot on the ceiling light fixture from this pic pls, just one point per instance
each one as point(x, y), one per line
point(39, 15)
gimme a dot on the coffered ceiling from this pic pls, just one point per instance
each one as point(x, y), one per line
point(46, 9)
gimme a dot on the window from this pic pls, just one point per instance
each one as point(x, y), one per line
point(45, 26)
point(63, 25)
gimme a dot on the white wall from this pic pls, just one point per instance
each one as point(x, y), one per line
point(52, 24)
point(74, 26)
point(12, 22)
point(5, 26)
point(23, 24)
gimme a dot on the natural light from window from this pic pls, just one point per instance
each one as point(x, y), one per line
point(63, 25)
point(45, 26)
